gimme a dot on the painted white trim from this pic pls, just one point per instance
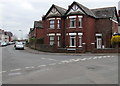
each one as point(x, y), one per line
point(92, 43)
point(99, 43)
point(80, 16)
point(71, 49)
point(67, 34)
point(72, 46)
point(114, 20)
point(79, 46)
point(80, 33)
point(98, 34)
point(72, 16)
point(58, 18)
point(58, 34)
point(51, 34)
point(72, 34)
point(83, 43)
point(72, 27)
point(51, 19)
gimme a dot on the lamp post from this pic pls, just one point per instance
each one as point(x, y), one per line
point(21, 34)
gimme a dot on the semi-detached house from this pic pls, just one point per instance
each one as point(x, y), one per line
point(79, 27)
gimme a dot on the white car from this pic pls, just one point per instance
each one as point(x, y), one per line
point(19, 45)
point(3, 44)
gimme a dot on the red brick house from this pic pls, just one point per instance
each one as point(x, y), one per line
point(37, 31)
point(79, 28)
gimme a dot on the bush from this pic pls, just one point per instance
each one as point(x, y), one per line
point(115, 40)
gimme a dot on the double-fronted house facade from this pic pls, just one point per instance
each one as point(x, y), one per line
point(79, 28)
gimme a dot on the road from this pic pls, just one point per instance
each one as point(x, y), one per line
point(29, 67)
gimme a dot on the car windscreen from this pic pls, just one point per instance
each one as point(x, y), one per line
point(19, 43)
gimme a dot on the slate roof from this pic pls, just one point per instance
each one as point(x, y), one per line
point(85, 9)
point(60, 9)
point(38, 24)
point(107, 12)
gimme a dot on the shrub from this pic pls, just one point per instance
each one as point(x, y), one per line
point(115, 40)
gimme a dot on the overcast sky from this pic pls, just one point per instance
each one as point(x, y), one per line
point(18, 15)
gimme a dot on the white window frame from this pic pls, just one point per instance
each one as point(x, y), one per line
point(80, 40)
point(80, 21)
point(58, 41)
point(58, 24)
point(51, 24)
point(99, 43)
point(51, 41)
point(72, 37)
point(72, 19)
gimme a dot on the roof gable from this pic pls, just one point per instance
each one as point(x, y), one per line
point(55, 11)
point(77, 8)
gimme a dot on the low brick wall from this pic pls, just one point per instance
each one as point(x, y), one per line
point(48, 48)
point(69, 50)
point(106, 50)
point(42, 47)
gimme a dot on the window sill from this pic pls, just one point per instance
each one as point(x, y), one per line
point(80, 27)
point(72, 27)
point(72, 46)
point(79, 46)
point(51, 28)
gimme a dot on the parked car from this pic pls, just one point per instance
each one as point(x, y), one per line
point(19, 45)
point(3, 44)
point(10, 43)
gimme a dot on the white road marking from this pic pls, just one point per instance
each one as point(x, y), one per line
point(76, 60)
point(52, 59)
point(71, 60)
point(83, 59)
point(53, 64)
point(65, 61)
point(4, 71)
point(95, 57)
point(12, 74)
point(41, 65)
point(15, 70)
point(29, 67)
point(108, 56)
point(104, 56)
point(89, 58)
point(100, 57)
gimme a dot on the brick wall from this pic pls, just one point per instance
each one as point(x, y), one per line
point(104, 26)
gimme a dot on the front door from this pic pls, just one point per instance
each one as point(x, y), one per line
point(99, 43)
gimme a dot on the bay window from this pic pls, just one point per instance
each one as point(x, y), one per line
point(72, 41)
point(72, 22)
point(58, 41)
point(51, 40)
point(58, 24)
point(80, 22)
point(52, 22)
point(80, 40)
